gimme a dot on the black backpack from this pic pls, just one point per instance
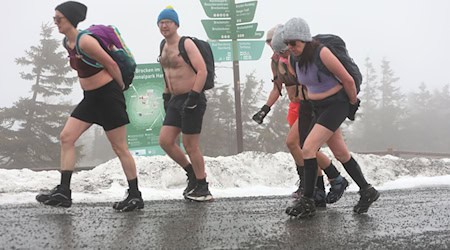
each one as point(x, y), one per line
point(337, 47)
point(207, 54)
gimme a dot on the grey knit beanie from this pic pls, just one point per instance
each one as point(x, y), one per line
point(297, 29)
point(278, 44)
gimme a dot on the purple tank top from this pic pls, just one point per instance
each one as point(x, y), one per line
point(314, 80)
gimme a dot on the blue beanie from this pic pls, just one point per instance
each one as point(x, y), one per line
point(169, 13)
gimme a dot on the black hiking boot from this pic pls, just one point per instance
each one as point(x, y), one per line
point(132, 202)
point(303, 208)
point(60, 196)
point(337, 189)
point(191, 184)
point(368, 196)
point(200, 193)
point(319, 198)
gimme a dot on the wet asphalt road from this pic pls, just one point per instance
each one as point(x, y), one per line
point(400, 219)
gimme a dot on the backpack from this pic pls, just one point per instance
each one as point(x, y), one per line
point(207, 54)
point(338, 48)
point(111, 41)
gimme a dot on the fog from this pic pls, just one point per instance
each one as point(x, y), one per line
point(413, 35)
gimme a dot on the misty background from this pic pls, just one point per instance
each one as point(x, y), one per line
point(401, 48)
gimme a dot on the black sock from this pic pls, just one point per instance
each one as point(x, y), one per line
point(66, 176)
point(310, 177)
point(353, 169)
point(301, 175)
point(202, 181)
point(331, 171)
point(319, 184)
point(189, 170)
point(133, 185)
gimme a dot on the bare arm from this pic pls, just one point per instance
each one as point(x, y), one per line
point(335, 67)
point(198, 63)
point(91, 47)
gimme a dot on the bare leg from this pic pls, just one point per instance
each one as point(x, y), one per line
point(293, 144)
point(167, 141)
point(117, 138)
point(192, 145)
point(73, 129)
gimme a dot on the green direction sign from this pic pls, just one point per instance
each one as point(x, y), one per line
point(145, 110)
point(248, 31)
point(216, 8)
point(247, 50)
point(217, 29)
point(245, 12)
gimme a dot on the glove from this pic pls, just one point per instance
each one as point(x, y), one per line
point(259, 116)
point(166, 98)
point(191, 101)
point(352, 110)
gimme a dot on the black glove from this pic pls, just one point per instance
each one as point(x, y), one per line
point(259, 117)
point(166, 98)
point(191, 101)
point(352, 110)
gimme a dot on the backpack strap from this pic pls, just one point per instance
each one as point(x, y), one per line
point(88, 60)
point(161, 47)
point(183, 52)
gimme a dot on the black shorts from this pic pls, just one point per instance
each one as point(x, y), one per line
point(104, 106)
point(331, 111)
point(189, 122)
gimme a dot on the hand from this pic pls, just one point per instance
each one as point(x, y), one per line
point(166, 98)
point(352, 110)
point(191, 101)
point(259, 116)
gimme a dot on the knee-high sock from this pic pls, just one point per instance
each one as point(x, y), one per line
point(310, 177)
point(353, 169)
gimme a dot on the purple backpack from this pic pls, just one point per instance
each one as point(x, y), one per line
point(111, 41)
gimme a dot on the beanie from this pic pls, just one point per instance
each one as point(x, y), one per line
point(297, 29)
point(75, 12)
point(169, 13)
point(278, 44)
point(269, 34)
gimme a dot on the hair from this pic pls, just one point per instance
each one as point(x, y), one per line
point(308, 55)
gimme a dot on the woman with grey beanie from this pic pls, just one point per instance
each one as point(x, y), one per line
point(331, 97)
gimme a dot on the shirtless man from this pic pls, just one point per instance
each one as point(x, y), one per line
point(185, 105)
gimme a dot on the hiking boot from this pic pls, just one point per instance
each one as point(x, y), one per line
point(200, 193)
point(60, 196)
point(319, 197)
point(191, 184)
point(303, 208)
point(131, 202)
point(338, 186)
point(368, 196)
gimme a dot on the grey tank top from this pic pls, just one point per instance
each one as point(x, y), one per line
point(315, 80)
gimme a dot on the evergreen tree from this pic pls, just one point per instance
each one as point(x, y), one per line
point(218, 135)
point(31, 127)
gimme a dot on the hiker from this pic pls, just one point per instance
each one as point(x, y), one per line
point(332, 100)
point(284, 74)
point(103, 104)
point(185, 105)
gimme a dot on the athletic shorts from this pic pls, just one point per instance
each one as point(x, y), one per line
point(292, 115)
point(331, 111)
point(190, 122)
point(104, 106)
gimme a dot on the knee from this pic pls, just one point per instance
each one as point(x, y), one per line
point(119, 150)
point(66, 138)
point(308, 152)
point(292, 143)
point(164, 142)
point(342, 155)
point(190, 148)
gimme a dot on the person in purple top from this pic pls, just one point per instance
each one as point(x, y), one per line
point(332, 98)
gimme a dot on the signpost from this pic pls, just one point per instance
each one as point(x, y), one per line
point(231, 22)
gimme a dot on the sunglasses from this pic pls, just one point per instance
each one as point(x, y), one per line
point(57, 19)
point(291, 42)
point(268, 41)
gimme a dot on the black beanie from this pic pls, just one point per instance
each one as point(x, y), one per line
point(75, 12)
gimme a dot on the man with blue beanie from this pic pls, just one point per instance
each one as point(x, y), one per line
point(184, 103)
